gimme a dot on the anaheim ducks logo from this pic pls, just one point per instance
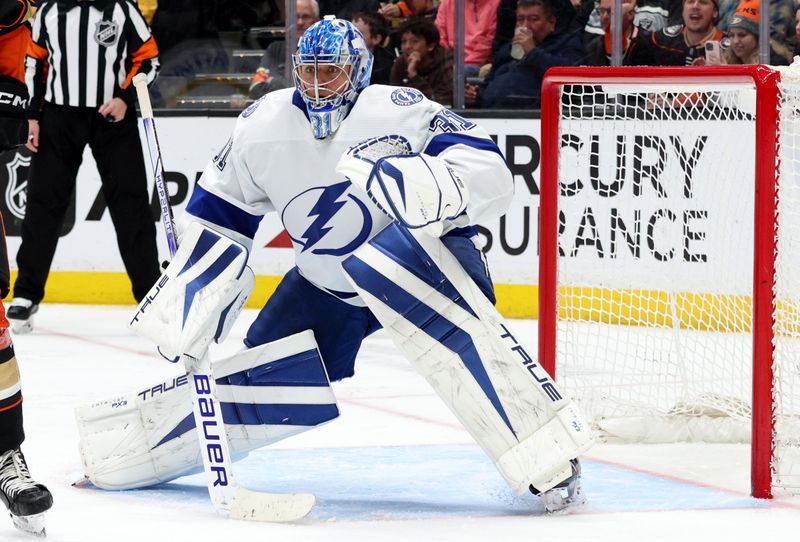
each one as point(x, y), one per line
point(673, 30)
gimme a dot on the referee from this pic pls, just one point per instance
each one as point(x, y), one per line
point(79, 68)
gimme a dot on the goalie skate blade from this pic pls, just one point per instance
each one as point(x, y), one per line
point(84, 483)
point(33, 524)
point(557, 503)
point(270, 507)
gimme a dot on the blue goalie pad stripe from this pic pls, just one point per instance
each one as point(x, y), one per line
point(184, 426)
point(429, 321)
point(203, 280)
point(303, 369)
point(261, 414)
point(398, 244)
point(278, 414)
point(222, 317)
point(440, 143)
point(201, 248)
point(211, 208)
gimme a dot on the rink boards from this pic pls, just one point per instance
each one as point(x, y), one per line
point(87, 266)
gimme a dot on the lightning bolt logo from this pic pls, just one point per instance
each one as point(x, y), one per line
point(325, 209)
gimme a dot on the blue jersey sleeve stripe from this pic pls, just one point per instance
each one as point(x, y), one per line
point(440, 143)
point(203, 204)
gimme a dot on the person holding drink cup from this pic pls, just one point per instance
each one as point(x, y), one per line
point(518, 68)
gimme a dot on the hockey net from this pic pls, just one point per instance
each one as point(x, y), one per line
point(670, 255)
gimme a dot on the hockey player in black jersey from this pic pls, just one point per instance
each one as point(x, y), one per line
point(679, 45)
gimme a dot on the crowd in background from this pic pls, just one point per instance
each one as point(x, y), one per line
point(509, 44)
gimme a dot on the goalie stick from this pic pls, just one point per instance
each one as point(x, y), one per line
point(229, 499)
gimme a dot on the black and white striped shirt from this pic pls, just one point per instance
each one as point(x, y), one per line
point(86, 53)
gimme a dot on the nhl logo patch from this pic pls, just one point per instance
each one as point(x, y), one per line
point(406, 96)
point(17, 188)
point(106, 33)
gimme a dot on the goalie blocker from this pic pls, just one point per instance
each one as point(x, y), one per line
point(454, 336)
point(199, 295)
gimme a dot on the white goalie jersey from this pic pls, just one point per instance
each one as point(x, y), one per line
point(272, 162)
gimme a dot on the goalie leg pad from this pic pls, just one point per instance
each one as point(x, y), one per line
point(192, 303)
point(266, 394)
point(454, 336)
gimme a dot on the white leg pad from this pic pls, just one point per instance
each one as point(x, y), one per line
point(145, 438)
point(453, 335)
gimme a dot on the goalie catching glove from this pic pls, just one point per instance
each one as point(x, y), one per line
point(417, 190)
point(199, 296)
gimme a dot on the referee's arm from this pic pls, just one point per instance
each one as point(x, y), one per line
point(144, 56)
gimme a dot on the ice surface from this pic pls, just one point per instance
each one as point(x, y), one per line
point(396, 465)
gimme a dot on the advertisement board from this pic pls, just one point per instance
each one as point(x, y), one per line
point(658, 191)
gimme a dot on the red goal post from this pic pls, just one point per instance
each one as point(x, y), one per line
point(634, 332)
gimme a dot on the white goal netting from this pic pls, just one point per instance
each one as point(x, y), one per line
point(655, 267)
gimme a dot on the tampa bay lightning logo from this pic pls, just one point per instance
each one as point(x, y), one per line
point(406, 96)
point(252, 107)
point(327, 221)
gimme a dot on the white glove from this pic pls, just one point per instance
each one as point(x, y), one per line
point(417, 190)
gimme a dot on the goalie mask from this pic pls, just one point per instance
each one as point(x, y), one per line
point(331, 67)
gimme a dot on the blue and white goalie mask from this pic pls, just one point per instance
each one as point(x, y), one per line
point(331, 67)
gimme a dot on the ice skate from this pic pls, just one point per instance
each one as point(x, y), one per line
point(565, 497)
point(20, 315)
point(26, 500)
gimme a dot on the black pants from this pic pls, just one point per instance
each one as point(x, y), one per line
point(64, 133)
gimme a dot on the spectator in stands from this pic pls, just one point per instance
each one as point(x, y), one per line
point(480, 22)
point(598, 51)
point(518, 68)
point(781, 17)
point(270, 74)
point(346, 9)
point(680, 45)
point(650, 15)
point(375, 29)
point(423, 64)
point(743, 35)
point(397, 11)
point(563, 10)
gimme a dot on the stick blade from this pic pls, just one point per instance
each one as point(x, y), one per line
point(270, 507)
